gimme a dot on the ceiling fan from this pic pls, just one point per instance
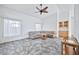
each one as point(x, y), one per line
point(41, 9)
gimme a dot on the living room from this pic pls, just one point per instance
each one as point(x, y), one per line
point(21, 23)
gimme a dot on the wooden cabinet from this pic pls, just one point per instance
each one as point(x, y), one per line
point(68, 47)
point(63, 27)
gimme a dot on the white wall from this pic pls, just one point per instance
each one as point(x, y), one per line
point(49, 23)
point(76, 17)
point(28, 23)
point(1, 30)
point(63, 14)
point(72, 20)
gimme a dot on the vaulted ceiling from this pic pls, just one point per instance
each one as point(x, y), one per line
point(30, 9)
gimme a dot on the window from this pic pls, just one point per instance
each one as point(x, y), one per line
point(12, 27)
point(38, 27)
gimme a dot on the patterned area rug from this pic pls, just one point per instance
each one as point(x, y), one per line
point(31, 47)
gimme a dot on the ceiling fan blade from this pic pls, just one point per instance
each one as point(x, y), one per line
point(41, 6)
point(45, 11)
point(44, 8)
point(37, 8)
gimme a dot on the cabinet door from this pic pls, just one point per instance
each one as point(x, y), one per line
point(66, 24)
point(60, 24)
point(63, 34)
